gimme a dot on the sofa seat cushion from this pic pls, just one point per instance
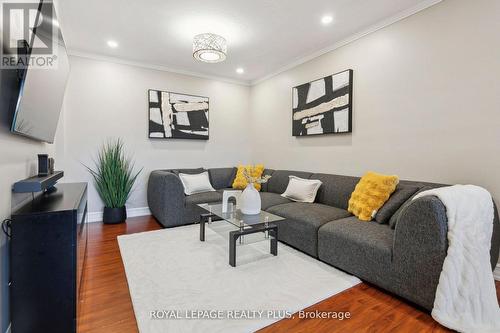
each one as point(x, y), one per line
point(302, 221)
point(204, 197)
point(358, 247)
point(311, 213)
point(269, 199)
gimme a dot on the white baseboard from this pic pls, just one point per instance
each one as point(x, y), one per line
point(496, 272)
point(131, 212)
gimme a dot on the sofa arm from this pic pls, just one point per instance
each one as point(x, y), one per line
point(166, 198)
point(420, 246)
point(421, 231)
point(424, 227)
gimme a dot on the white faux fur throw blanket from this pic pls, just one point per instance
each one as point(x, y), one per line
point(465, 297)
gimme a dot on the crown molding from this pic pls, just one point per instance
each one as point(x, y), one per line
point(378, 26)
point(115, 60)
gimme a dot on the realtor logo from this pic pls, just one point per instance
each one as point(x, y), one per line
point(29, 35)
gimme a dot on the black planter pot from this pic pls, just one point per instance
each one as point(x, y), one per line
point(114, 215)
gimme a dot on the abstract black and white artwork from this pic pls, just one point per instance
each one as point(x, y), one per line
point(323, 106)
point(177, 116)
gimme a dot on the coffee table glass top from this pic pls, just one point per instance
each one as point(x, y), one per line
point(237, 218)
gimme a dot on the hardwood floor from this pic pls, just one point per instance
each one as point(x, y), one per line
point(106, 305)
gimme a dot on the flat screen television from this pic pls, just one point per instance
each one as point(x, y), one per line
point(41, 87)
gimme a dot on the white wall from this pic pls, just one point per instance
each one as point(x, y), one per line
point(426, 102)
point(106, 100)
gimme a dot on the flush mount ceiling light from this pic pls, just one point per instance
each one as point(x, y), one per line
point(209, 48)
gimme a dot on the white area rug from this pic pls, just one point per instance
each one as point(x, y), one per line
point(170, 270)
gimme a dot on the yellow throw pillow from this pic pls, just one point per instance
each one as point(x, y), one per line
point(371, 192)
point(240, 182)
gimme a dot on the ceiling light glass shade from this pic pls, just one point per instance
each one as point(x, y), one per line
point(209, 48)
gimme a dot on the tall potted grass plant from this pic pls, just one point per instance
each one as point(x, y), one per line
point(114, 179)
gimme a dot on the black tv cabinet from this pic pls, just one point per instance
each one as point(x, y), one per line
point(48, 249)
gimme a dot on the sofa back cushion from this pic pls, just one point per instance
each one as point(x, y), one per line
point(222, 177)
point(280, 178)
point(267, 172)
point(335, 190)
point(188, 171)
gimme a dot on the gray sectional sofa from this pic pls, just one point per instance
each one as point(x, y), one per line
point(402, 252)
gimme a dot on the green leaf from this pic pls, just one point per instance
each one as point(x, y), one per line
point(113, 174)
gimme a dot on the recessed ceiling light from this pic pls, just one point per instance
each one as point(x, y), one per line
point(240, 70)
point(327, 19)
point(113, 44)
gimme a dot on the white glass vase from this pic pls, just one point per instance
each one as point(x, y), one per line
point(250, 201)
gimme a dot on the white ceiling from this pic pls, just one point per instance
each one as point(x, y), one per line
point(263, 36)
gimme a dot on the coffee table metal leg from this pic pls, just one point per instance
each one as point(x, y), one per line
point(202, 228)
point(204, 219)
point(233, 236)
point(274, 241)
point(238, 234)
point(241, 230)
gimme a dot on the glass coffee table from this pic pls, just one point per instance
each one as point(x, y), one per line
point(245, 225)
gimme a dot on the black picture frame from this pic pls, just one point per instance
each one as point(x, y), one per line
point(196, 116)
point(301, 122)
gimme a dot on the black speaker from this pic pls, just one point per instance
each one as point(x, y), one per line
point(51, 165)
point(43, 165)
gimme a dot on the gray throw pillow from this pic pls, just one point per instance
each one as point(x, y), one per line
point(396, 200)
point(394, 219)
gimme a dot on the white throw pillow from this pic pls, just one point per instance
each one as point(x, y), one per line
point(198, 183)
point(302, 190)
